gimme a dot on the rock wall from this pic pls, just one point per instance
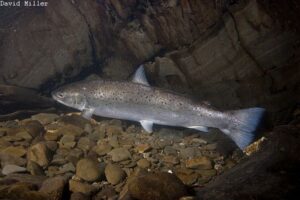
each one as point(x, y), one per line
point(39, 44)
point(231, 55)
point(245, 60)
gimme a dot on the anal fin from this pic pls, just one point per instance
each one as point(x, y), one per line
point(199, 128)
point(147, 125)
point(88, 113)
point(226, 131)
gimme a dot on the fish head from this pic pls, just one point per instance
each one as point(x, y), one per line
point(71, 96)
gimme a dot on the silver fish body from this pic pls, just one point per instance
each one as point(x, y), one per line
point(137, 101)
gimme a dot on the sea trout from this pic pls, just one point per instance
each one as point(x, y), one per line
point(136, 100)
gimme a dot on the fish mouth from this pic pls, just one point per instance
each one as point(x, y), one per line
point(53, 95)
point(56, 98)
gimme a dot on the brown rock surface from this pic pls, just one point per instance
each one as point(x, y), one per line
point(84, 188)
point(40, 154)
point(89, 170)
point(53, 187)
point(114, 173)
point(158, 186)
point(269, 173)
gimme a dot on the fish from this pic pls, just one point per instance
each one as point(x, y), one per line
point(136, 100)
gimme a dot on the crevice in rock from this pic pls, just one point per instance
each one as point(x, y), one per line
point(91, 35)
point(243, 46)
point(58, 79)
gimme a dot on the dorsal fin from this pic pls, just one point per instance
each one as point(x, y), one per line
point(139, 76)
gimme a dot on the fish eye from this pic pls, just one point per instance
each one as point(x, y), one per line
point(60, 95)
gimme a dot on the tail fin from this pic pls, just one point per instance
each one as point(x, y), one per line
point(244, 125)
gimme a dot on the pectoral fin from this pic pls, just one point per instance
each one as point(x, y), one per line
point(147, 125)
point(199, 128)
point(88, 113)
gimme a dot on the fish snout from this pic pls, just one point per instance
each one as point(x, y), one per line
point(54, 95)
point(57, 95)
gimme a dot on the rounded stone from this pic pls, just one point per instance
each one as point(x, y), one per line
point(52, 135)
point(143, 163)
point(45, 118)
point(199, 163)
point(114, 174)
point(34, 169)
point(34, 127)
point(53, 187)
point(84, 188)
point(102, 149)
point(84, 144)
point(159, 186)
point(119, 154)
point(40, 154)
point(88, 170)
point(9, 169)
point(79, 196)
point(17, 151)
point(67, 141)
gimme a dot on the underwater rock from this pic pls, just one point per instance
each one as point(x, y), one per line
point(53, 187)
point(40, 154)
point(114, 142)
point(7, 159)
point(69, 129)
point(97, 134)
point(85, 144)
point(4, 144)
point(89, 170)
point(189, 152)
point(205, 175)
point(190, 167)
point(170, 151)
point(45, 118)
point(52, 136)
point(79, 196)
point(34, 127)
point(159, 186)
point(275, 163)
point(107, 192)
point(173, 160)
point(142, 148)
point(75, 120)
point(102, 149)
point(68, 167)
point(24, 135)
point(79, 187)
point(199, 163)
point(113, 130)
point(162, 143)
point(188, 198)
point(51, 145)
point(210, 147)
point(67, 141)
point(10, 169)
point(34, 169)
point(114, 174)
point(25, 178)
point(74, 155)
point(119, 154)
point(21, 190)
point(143, 163)
point(58, 160)
point(187, 176)
point(18, 151)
